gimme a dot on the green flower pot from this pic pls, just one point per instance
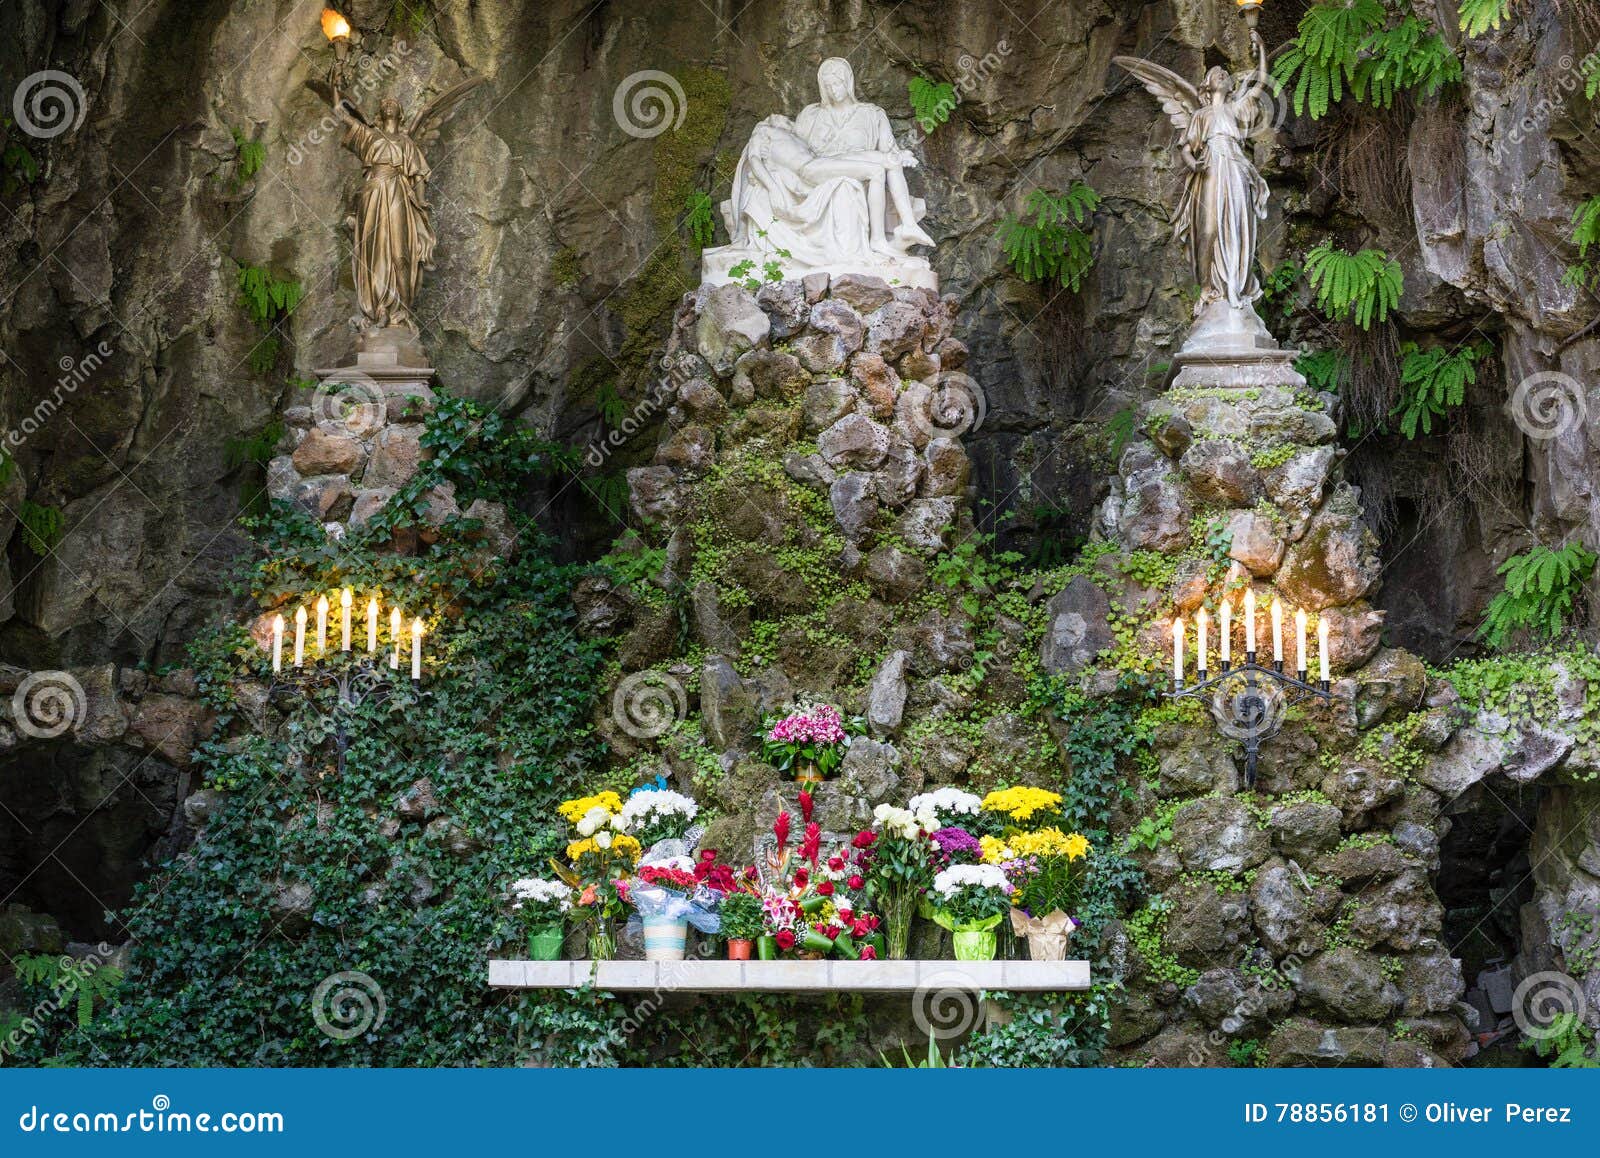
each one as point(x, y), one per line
point(767, 948)
point(976, 946)
point(545, 944)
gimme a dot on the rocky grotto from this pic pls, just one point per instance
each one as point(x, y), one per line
point(960, 491)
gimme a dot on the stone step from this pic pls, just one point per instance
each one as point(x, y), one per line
point(792, 976)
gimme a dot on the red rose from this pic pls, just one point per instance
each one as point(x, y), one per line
point(836, 863)
point(826, 888)
point(750, 872)
point(801, 876)
point(856, 881)
point(785, 940)
point(708, 855)
point(868, 953)
point(831, 932)
point(873, 922)
point(860, 928)
point(864, 839)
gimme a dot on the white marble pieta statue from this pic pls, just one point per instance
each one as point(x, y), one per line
point(825, 192)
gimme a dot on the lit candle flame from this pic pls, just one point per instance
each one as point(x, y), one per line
point(334, 26)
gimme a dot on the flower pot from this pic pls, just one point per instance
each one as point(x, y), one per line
point(664, 938)
point(767, 948)
point(976, 946)
point(545, 944)
point(739, 949)
point(807, 774)
point(1048, 936)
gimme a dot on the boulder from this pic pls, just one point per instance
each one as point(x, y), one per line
point(1220, 473)
point(854, 441)
point(836, 332)
point(1304, 828)
point(1280, 905)
point(948, 467)
point(1334, 563)
point(860, 292)
point(886, 695)
point(855, 504)
point(770, 374)
point(396, 454)
point(730, 323)
point(728, 710)
point(894, 574)
point(1255, 543)
point(1219, 834)
point(827, 401)
point(325, 452)
point(1154, 516)
point(894, 329)
point(927, 524)
point(1077, 627)
point(877, 382)
point(1346, 984)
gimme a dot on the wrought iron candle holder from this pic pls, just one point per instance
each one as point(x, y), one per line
point(359, 682)
point(1248, 701)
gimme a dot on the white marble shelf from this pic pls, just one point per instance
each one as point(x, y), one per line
point(792, 976)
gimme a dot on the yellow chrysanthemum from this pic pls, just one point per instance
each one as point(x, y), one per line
point(1020, 803)
point(621, 846)
point(575, 810)
point(995, 850)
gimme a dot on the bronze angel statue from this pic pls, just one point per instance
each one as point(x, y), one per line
point(1224, 196)
point(393, 224)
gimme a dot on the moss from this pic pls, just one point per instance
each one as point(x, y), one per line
point(566, 268)
point(1275, 457)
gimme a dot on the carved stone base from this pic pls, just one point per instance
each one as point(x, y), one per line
point(909, 270)
point(1230, 347)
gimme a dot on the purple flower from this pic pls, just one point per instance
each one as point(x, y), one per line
point(958, 843)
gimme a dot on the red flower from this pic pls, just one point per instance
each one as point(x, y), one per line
point(860, 928)
point(750, 872)
point(812, 845)
point(856, 881)
point(805, 805)
point(708, 855)
point(780, 829)
point(868, 953)
point(826, 888)
point(785, 940)
point(864, 839)
point(830, 931)
point(873, 922)
point(836, 862)
point(801, 876)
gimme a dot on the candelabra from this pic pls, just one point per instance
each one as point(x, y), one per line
point(1248, 701)
point(355, 683)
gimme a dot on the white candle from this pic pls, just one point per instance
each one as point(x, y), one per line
point(300, 637)
point(394, 634)
point(372, 624)
point(322, 623)
point(1177, 650)
point(1301, 659)
point(1277, 630)
point(277, 643)
point(1225, 630)
point(1200, 639)
point(1322, 647)
point(1250, 622)
point(345, 599)
point(416, 649)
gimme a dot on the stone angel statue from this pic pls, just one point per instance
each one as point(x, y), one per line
point(393, 226)
point(1224, 196)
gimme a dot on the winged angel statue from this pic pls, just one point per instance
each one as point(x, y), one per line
point(393, 225)
point(1224, 196)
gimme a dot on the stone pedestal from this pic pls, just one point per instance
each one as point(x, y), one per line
point(1230, 347)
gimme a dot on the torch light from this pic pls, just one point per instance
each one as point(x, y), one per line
point(337, 29)
point(1250, 9)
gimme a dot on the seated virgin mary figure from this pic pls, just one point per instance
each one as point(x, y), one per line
point(826, 193)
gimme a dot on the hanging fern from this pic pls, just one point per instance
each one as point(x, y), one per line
point(1432, 381)
point(67, 977)
point(41, 526)
point(932, 102)
point(1585, 232)
point(248, 157)
point(1354, 287)
point(1045, 242)
point(1479, 16)
point(1541, 587)
point(266, 298)
point(1350, 44)
point(698, 221)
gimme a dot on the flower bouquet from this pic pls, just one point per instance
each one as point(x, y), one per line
point(542, 906)
point(970, 900)
point(1047, 868)
point(813, 904)
point(668, 897)
point(810, 742)
point(947, 806)
point(599, 862)
point(652, 815)
point(1013, 807)
point(897, 858)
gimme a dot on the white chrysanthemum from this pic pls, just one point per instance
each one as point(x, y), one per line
point(542, 891)
point(960, 876)
point(951, 801)
point(655, 804)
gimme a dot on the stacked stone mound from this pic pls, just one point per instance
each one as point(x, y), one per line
point(807, 479)
point(343, 457)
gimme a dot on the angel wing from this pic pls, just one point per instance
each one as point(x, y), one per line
point(1178, 98)
point(339, 102)
point(425, 125)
